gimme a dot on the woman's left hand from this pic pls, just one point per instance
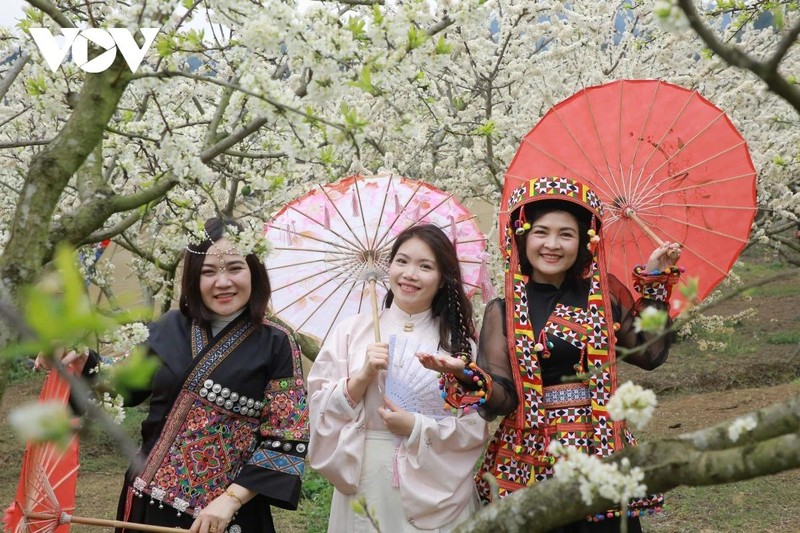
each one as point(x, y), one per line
point(215, 516)
point(664, 256)
point(397, 420)
point(442, 363)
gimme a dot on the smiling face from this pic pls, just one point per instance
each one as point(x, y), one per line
point(552, 246)
point(414, 276)
point(225, 282)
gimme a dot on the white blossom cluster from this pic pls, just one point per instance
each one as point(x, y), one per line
point(439, 90)
point(41, 421)
point(633, 404)
point(741, 425)
point(618, 483)
point(113, 407)
point(125, 338)
point(702, 325)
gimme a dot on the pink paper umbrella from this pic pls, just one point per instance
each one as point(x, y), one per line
point(330, 242)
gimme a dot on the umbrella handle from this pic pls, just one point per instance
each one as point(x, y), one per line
point(373, 293)
point(66, 518)
point(630, 213)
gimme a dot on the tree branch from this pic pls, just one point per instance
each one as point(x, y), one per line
point(20, 144)
point(666, 464)
point(733, 56)
point(12, 73)
point(114, 230)
point(443, 24)
point(76, 227)
point(53, 12)
point(255, 155)
point(232, 139)
point(783, 47)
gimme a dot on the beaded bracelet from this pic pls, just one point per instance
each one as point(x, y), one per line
point(456, 396)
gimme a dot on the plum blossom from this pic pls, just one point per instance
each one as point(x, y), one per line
point(618, 483)
point(740, 426)
point(633, 404)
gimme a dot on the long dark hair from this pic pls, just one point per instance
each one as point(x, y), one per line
point(450, 303)
point(536, 210)
point(191, 302)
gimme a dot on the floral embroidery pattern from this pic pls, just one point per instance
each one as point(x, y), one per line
point(214, 446)
point(286, 414)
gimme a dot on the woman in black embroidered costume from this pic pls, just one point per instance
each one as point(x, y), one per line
point(226, 433)
point(563, 315)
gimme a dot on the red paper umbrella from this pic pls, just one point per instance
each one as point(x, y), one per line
point(667, 164)
point(46, 491)
point(48, 476)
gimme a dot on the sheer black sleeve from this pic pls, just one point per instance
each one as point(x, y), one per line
point(625, 309)
point(493, 358)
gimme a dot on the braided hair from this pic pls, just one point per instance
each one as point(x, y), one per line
point(450, 304)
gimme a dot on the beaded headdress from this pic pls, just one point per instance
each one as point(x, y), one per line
point(213, 250)
point(593, 326)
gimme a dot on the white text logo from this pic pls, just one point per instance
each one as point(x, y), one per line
point(110, 40)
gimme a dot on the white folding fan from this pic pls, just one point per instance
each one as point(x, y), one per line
point(410, 385)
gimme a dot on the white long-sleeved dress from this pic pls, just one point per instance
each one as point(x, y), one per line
point(351, 447)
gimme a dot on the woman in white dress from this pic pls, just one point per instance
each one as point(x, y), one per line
point(379, 426)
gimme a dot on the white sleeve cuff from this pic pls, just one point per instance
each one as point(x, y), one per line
point(341, 401)
point(412, 439)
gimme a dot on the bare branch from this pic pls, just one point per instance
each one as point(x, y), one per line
point(114, 230)
point(666, 464)
point(733, 56)
point(783, 47)
point(256, 155)
point(231, 140)
point(442, 25)
point(12, 73)
point(357, 2)
point(53, 12)
point(20, 144)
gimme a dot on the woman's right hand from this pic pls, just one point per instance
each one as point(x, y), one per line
point(376, 359)
point(68, 358)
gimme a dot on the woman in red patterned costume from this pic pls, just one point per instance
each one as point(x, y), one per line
point(563, 314)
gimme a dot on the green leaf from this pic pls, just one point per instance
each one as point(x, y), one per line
point(485, 130)
point(326, 155)
point(35, 86)
point(358, 508)
point(165, 46)
point(351, 117)
point(356, 27)
point(416, 38)
point(780, 22)
point(377, 15)
point(135, 372)
point(364, 81)
point(690, 288)
point(443, 47)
